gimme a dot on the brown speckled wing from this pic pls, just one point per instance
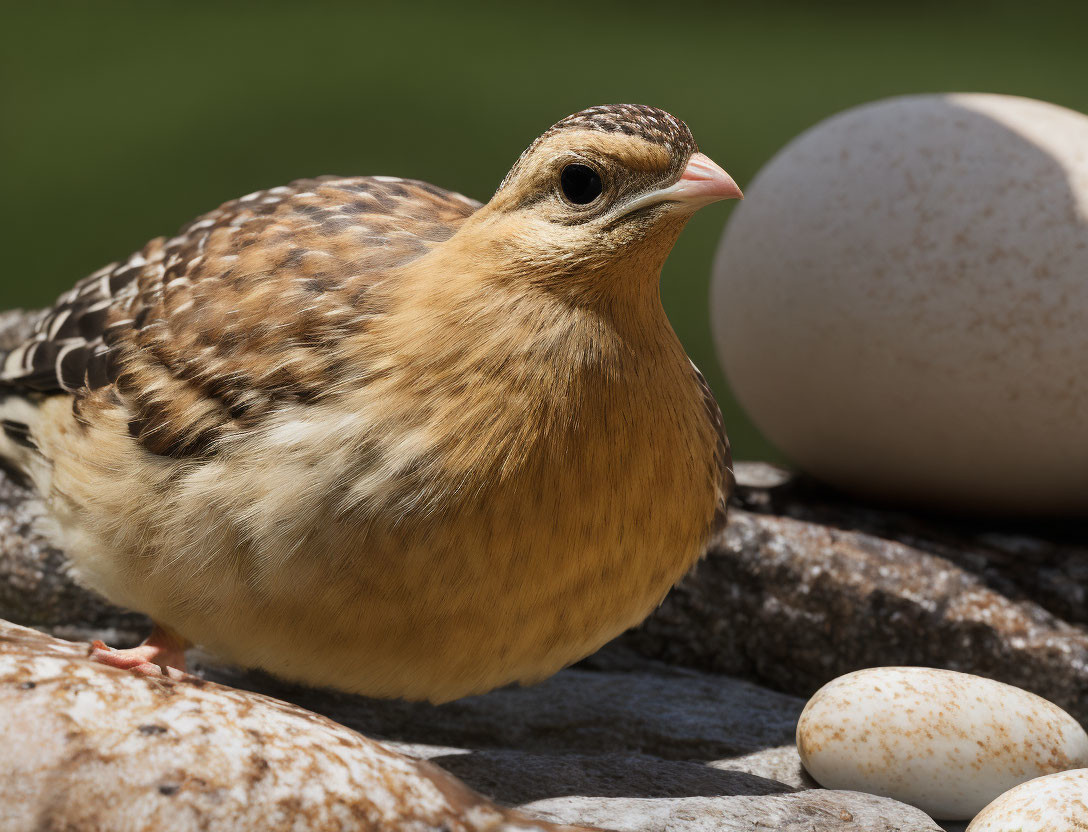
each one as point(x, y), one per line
point(723, 453)
point(241, 309)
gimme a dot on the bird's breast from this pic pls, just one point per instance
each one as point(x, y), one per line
point(467, 518)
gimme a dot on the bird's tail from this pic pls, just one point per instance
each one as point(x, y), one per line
point(19, 413)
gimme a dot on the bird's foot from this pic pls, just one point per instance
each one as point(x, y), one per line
point(161, 654)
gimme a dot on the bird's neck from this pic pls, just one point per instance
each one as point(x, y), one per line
point(553, 355)
point(494, 268)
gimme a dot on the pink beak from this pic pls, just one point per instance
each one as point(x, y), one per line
point(703, 181)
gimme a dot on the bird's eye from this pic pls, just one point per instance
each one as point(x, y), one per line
point(581, 184)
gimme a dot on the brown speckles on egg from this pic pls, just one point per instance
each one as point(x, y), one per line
point(1055, 803)
point(946, 742)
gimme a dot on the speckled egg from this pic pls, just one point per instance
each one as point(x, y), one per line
point(946, 742)
point(1055, 803)
point(901, 302)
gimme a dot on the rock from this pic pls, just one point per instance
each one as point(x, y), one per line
point(648, 708)
point(625, 749)
point(813, 811)
point(620, 729)
point(781, 763)
point(946, 742)
point(805, 586)
point(617, 727)
point(91, 748)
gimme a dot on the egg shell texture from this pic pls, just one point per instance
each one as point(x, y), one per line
point(1055, 803)
point(946, 742)
point(901, 302)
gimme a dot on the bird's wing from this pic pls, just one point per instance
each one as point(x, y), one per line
point(723, 453)
point(241, 309)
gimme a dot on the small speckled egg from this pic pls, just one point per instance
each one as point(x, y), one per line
point(901, 302)
point(1055, 803)
point(946, 742)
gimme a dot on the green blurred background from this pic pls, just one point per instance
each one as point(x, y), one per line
point(122, 120)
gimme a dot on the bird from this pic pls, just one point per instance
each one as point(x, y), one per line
point(370, 434)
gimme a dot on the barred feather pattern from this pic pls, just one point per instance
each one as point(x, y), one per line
point(240, 310)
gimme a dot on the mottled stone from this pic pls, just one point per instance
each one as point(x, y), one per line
point(86, 747)
point(811, 811)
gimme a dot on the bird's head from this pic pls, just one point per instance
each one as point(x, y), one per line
point(603, 193)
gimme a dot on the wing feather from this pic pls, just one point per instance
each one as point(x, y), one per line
point(241, 309)
point(723, 452)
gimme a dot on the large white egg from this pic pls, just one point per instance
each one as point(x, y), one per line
point(901, 302)
point(1056, 803)
point(946, 742)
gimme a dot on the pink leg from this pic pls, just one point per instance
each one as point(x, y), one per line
point(161, 654)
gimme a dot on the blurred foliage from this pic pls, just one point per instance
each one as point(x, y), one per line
point(122, 120)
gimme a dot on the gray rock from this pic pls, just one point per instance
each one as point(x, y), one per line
point(803, 587)
point(782, 764)
point(649, 708)
point(812, 811)
point(646, 731)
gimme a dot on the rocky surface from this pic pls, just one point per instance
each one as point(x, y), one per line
point(624, 744)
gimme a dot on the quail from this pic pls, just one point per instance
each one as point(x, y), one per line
point(367, 433)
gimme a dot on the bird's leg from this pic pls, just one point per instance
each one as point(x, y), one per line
point(161, 654)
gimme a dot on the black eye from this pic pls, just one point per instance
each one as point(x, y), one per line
point(581, 184)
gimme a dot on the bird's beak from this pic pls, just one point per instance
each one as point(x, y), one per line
point(701, 183)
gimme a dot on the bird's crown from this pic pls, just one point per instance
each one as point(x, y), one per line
point(649, 123)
